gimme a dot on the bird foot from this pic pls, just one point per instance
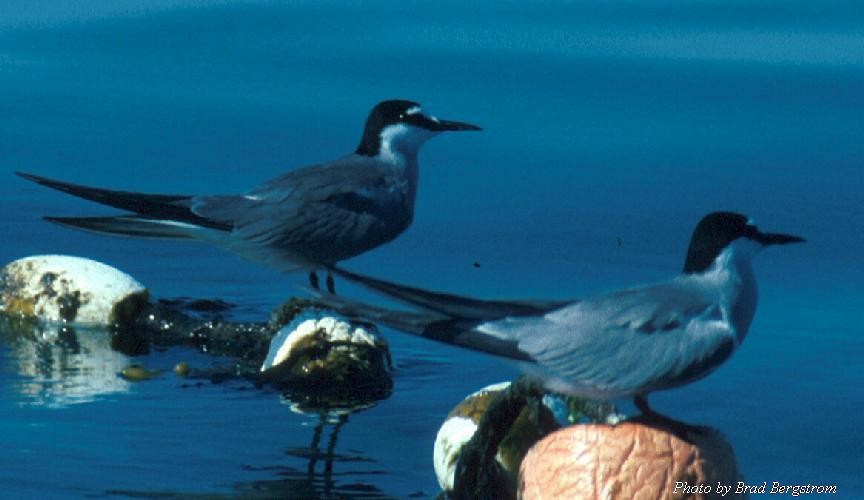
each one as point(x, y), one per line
point(657, 420)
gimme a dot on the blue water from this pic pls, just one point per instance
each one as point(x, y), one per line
point(603, 120)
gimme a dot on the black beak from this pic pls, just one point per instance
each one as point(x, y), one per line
point(436, 125)
point(778, 239)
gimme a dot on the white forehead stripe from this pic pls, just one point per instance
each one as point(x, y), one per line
point(413, 111)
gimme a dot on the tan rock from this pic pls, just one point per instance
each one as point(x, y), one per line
point(632, 460)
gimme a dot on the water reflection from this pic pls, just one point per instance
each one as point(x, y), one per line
point(318, 479)
point(61, 364)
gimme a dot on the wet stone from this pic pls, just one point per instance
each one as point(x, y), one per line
point(329, 358)
point(479, 448)
point(61, 288)
point(335, 364)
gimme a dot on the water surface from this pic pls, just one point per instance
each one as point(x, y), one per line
point(605, 122)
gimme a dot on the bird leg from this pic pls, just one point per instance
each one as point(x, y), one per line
point(313, 279)
point(660, 421)
point(331, 285)
point(642, 404)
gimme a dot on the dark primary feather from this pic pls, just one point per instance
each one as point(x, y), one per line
point(426, 324)
point(123, 226)
point(451, 305)
point(448, 318)
point(156, 206)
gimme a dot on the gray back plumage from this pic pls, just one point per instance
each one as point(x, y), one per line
point(629, 342)
point(324, 213)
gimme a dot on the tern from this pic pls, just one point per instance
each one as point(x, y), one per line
point(306, 219)
point(627, 343)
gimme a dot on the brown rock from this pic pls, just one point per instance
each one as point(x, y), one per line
point(632, 460)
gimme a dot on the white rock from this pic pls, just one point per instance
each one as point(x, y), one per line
point(59, 288)
point(305, 325)
point(457, 430)
point(451, 437)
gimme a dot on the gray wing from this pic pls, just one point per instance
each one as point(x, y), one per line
point(321, 212)
point(627, 343)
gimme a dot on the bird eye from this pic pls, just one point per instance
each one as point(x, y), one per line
point(401, 116)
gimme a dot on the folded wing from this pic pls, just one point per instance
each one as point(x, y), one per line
point(324, 213)
point(623, 344)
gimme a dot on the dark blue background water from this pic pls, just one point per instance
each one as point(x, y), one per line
point(603, 120)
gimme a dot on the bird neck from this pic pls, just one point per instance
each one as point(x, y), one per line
point(400, 143)
point(400, 150)
point(398, 155)
point(733, 272)
point(403, 164)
